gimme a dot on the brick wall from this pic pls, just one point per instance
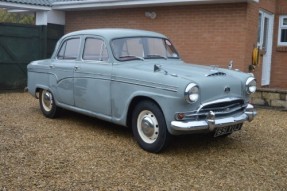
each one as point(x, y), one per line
point(269, 5)
point(252, 15)
point(204, 34)
point(252, 30)
point(279, 55)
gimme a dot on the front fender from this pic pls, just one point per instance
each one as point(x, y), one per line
point(121, 107)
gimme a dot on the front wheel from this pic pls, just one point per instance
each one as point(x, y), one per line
point(149, 127)
point(47, 104)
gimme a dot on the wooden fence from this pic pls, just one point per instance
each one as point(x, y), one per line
point(21, 44)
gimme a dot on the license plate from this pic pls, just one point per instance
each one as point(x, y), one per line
point(227, 130)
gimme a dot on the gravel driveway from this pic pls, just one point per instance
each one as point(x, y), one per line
point(75, 152)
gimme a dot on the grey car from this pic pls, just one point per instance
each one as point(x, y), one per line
point(136, 78)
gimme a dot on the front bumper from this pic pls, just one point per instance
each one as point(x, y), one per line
point(210, 123)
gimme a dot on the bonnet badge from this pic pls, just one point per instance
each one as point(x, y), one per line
point(227, 89)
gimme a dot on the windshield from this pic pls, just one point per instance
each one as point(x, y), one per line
point(140, 48)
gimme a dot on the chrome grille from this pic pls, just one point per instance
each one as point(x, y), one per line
point(223, 108)
point(220, 109)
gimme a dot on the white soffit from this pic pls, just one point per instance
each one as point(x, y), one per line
point(115, 4)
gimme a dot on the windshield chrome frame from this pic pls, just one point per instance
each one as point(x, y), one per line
point(164, 39)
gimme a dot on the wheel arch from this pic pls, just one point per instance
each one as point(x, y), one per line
point(38, 88)
point(133, 104)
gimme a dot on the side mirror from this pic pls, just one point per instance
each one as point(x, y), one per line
point(156, 68)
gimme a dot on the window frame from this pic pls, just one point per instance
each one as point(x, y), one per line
point(155, 37)
point(64, 42)
point(280, 28)
point(104, 47)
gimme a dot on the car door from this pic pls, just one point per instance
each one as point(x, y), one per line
point(93, 77)
point(62, 70)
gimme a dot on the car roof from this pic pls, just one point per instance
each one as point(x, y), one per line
point(112, 33)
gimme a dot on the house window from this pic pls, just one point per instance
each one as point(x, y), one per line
point(282, 37)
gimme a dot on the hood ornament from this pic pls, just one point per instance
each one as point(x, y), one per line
point(214, 67)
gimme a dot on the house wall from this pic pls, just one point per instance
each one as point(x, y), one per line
point(268, 5)
point(204, 34)
point(279, 57)
point(252, 30)
point(279, 54)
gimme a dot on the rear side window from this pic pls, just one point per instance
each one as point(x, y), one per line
point(95, 49)
point(70, 49)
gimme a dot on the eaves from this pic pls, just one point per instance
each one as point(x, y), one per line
point(116, 4)
point(21, 6)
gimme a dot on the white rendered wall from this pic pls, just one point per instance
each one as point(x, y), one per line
point(52, 17)
point(41, 18)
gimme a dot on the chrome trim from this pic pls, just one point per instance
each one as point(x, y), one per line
point(143, 83)
point(247, 84)
point(210, 123)
point(187, 94)
point(223, 110)
point(250, 112)
point(228, 99)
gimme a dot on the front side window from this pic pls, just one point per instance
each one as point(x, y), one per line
point(95, 49)
point(125, 49)
point(282, 37)
point(69, 49)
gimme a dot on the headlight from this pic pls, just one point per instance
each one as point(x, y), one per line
point(251, 85)
point(191, 93)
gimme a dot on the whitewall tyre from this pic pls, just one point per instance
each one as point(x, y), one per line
point(47, 104)
point(149, 127)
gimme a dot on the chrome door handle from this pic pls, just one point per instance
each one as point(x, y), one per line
point(76, 67)
point(51, 66)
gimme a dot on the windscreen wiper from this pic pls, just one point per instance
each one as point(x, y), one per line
point(154, 56)
point(130, 57)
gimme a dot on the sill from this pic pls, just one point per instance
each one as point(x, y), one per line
point(281, 49)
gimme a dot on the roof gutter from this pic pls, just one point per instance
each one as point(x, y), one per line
point(116, 4)
point(22, 6)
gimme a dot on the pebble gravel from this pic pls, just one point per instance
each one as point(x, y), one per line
point(76, 152)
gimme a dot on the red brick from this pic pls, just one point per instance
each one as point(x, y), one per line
point(203, 34)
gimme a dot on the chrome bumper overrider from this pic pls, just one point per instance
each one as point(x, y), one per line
point(210, 123)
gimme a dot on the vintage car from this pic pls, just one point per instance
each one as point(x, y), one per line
point(136, 78)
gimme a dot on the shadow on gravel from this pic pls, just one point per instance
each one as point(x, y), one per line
point(199, 143)
point(93, 123)
point(181, 144)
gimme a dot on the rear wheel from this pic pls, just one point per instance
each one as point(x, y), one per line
point(149, 127)
point(47, 104)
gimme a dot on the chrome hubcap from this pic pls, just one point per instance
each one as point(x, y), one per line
point(147, 126)
point(47, 100)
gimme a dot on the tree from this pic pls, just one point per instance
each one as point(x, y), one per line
point(6, 17)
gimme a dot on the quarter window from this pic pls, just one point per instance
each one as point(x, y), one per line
point(70, 49)
point(95, 49)
point(282, 37)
